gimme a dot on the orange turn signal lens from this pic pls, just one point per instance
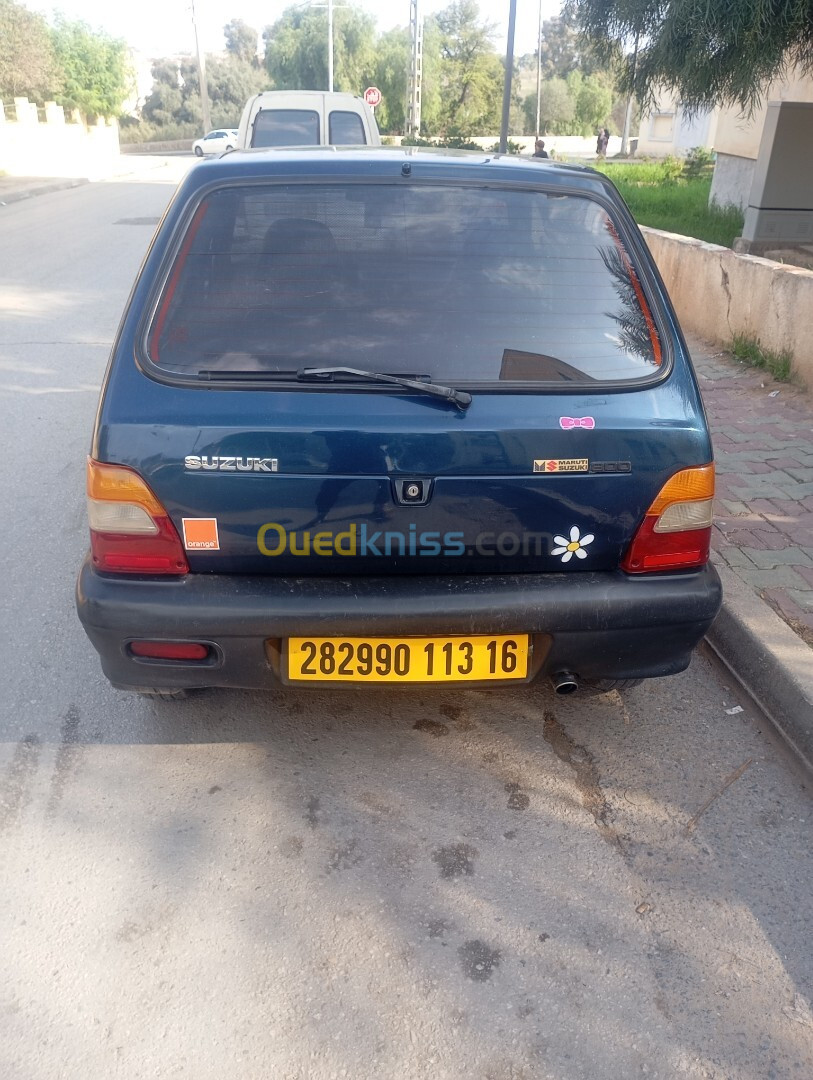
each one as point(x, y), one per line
point(685, 486)
point(117, 483)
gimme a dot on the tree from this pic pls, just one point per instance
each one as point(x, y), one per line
point(230, 83)
point(175, 95)
point(593, 102)
point(708, 52)
point(27, 64)
point(560, 47)
point(241, 41)
point(471, 72)
point(165, 101)
point(96, 73)
point(577, 105)
point(296, 49)
point(392, 59)
point(557, 107)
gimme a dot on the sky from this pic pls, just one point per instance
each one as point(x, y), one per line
point(164, 27)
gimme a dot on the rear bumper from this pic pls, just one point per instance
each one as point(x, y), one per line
point(602, 625)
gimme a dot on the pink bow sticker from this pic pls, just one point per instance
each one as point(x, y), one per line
point(568, 422)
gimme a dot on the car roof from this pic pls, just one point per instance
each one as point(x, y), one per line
point(382, 162)
point(276, 94)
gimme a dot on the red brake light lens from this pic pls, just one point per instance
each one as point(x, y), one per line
point(169, 650)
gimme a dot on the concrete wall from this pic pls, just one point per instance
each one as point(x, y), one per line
point(732, 180)
point(738, 139)
point(718, 294)
point(563, 145)
point(780, 204)
point(42, 142)
point(168, 146)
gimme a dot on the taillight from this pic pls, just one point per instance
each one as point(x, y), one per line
point(676, 531)
point(130, 531)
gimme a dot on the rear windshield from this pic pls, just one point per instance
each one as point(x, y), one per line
point(461, 284)
point(286, 127)
point(346, 129)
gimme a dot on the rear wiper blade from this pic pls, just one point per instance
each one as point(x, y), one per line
point(447, 393)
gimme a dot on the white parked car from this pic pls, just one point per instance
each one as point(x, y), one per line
point(216, 142)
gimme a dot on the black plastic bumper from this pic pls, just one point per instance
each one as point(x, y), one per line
point(601, 625)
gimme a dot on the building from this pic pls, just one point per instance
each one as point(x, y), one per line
point(735, 137)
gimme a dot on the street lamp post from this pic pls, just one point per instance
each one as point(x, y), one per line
point(509, 72)
point(330, 45)
point(329, 5)
point(539, 73)
point(625, 134)
point(204, 90)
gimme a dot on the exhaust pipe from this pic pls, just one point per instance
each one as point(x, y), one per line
point(564, 682)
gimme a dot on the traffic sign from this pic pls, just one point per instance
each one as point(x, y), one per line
point(372, 95)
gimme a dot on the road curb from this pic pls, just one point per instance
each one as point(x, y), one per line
point(773, 664)
point(39, 189)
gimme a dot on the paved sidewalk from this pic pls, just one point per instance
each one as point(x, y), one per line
point(763, 443)
point(763, 537)
point(15, 188)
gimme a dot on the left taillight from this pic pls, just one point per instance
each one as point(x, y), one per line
point(130, 531)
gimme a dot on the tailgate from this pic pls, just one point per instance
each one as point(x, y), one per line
point(396, 485)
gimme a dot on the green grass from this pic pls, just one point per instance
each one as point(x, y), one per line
point(751, 352)
point(659, 196)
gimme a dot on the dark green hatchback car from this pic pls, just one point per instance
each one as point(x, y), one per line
point(402, 417)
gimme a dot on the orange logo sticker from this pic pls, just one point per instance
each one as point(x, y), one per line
point(551, 465)
point(200, 534)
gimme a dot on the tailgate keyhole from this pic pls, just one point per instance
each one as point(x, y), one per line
point(412, 491)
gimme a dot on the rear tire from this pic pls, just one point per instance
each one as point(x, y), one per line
point(198, 152)
point(594, 687)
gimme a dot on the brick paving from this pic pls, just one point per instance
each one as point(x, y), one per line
point(763, 448)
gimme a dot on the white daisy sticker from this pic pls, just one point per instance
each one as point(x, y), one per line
point(574, 546)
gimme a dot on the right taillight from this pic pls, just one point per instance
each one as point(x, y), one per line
point(130, 531)
point(676, 531)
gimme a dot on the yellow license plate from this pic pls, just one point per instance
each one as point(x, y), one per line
point(405, 660)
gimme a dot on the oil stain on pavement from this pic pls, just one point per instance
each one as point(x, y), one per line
point(15, 790)
point(478, 960)
point(454, 861)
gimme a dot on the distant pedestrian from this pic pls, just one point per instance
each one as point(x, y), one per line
point(540, 151)
point(602, 142)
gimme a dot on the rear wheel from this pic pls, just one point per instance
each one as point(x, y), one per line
point(593, 687)
point(198, 151)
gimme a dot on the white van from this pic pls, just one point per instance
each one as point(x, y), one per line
point(307, 118)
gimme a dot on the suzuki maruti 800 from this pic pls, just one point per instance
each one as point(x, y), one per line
point(401, 417)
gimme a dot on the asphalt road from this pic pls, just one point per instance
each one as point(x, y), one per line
point(407, 885)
